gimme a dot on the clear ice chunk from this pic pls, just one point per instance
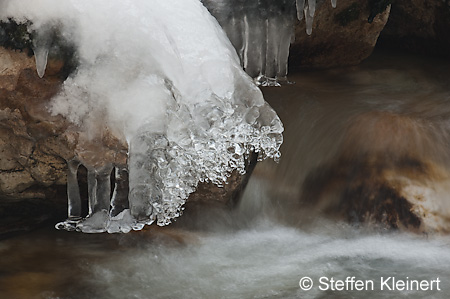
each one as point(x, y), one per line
point(145, 159)
point(94, 223)
point(121, 223)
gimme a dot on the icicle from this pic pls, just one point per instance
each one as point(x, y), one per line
point(40, 56)
point(99, 189)
point(312, 7)
point(309, 21)
point(92, 191)
point(256, 60)
point(145, 194)
point(235, 29)
point(41, 45)
point(247, 26)
point(73, 198)
point(286, 35)
point(273, 42)
point(120, 220)
point(119, 200)
point(244, 58)
point(103, 192)
point(300, 7)
point(333, 3)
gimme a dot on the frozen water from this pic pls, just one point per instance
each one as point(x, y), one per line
point(162, 77)
point(312, 7)
point(121, 223)
point(119, 200)
point(73, 191)
point(262, 31)
point(42, 41)
point(309, 19)
point(300, 4)
point(334, 3)
point(40, 55)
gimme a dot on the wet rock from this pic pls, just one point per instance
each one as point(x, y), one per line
point(340, 36)
point(385, 175)
point(419, 26)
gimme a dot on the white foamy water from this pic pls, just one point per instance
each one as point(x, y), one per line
point(264, 260)
point(260, 256)
point(275, 260)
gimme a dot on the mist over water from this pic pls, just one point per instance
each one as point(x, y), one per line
point(384, 124)
point(272, 239)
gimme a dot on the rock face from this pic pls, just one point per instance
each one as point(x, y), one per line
point(340, 36)
point(32, 145)
point(35, 146)
point(421, 27)
point(30, 139)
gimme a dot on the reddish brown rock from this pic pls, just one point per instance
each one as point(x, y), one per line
point(340, 36)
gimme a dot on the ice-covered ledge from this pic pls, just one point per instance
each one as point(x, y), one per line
point(35, 146)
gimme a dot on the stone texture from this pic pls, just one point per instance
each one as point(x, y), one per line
point(341, 36)
point(385, 174)
point(419, 26)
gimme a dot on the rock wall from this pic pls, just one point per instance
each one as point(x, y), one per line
point(419, 26)
point(340, 36)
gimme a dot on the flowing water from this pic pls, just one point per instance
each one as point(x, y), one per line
point(272, 239)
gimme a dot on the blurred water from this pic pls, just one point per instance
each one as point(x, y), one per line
point(267, 244)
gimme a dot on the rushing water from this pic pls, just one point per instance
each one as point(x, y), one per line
point(265, 246)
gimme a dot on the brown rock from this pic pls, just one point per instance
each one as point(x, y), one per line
point(385, 174)
point(11, 65)
point(341, 36)
point(419, 26)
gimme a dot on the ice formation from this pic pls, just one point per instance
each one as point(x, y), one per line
point(307, 8)
point(162, 77)
point(262, 31)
